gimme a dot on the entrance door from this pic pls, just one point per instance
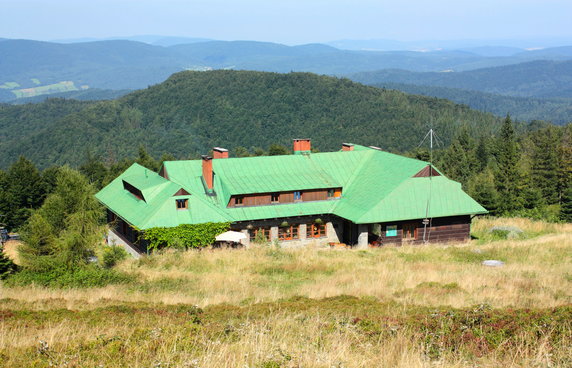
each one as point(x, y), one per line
point(350, 233)
point(409, 231)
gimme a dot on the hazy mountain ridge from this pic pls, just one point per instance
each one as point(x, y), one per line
point(540, 79)
point(121, 64)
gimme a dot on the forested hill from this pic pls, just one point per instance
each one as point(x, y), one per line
point(555, 110)
point(541, 79)
point(193, 111)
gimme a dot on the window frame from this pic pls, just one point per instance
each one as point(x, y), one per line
point(292, 234)
point(184, 201)
point(252, 233)
point(314, 230)
point(274, 198)
point(239, 200)
point(297, 194)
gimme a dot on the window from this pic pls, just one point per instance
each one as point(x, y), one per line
point(409, 231)
point(315, 230)
point(182, 204)
point(259, 234)
point(275, 198)
point(288, 232)
point(238, 200)
point(297, 196)
point(331, 193)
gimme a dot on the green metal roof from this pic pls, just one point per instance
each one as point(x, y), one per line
point(377, 187)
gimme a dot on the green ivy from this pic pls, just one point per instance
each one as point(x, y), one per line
point(184, 236)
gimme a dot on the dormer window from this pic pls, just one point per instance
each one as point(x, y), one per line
point(182, 204)
point(131, 189)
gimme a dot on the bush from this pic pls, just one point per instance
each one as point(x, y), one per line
point(184, 236)
point(112, 255)
point(7, 267)
point(84, 277)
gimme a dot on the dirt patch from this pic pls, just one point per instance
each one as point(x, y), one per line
point(11, 249)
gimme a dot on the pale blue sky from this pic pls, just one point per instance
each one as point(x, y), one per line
point(290, 22)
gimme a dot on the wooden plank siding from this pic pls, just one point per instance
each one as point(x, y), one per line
point(263, 199)
point(315, 195)
point(444, 229)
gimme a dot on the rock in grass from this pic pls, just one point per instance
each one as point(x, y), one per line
point(493, 263)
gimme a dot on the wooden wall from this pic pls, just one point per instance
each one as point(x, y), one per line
point(262, 199)
point(443, 229)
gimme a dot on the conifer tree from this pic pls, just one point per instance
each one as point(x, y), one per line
point(145, 159)
point(482, 188)
point(545, 164)
point(65, 230)
point(94, 169)
point(460, 159)
point(6, 266)
point(507, 176)
point(566, 207)
point(25, 191)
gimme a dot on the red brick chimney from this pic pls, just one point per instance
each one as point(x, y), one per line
point(347, 147)
point(302, 146)
point(208, 171)
point(219, 152)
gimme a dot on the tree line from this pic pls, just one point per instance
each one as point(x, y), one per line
point(510, 174)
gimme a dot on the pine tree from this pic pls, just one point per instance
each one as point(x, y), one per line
point(507, 177)
point(460, 159)
point(145, 159)
point(566, 206)
point(482, 154)
point(483, 190)
point(25, 191)
point(545, 164)
point(65, 230)
point(7, 267)
point(94, 170)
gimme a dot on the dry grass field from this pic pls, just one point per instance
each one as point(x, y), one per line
point(422, 306)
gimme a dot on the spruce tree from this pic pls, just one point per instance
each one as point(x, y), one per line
point(507, 175)
point(25, 191)
point(6, 266)
point(545, 164)
point(66, 229)
point(460, 159)
point(566, 206)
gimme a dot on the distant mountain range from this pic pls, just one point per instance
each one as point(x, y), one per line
point(555, 110)
point(29, 68)
point(540, 79)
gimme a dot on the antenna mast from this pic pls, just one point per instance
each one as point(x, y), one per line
point(427, 220)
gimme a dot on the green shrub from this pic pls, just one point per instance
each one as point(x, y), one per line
point(184, 236)
point(84, 277)
point(7, 267)
point(113, 254)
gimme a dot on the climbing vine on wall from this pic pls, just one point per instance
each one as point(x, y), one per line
point(184, 236)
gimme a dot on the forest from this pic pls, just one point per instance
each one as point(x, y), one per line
point(526, 174)
point(192, 112)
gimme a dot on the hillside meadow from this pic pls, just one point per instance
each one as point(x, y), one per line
point(408, 306)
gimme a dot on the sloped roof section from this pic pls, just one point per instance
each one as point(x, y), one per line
point(377, 186)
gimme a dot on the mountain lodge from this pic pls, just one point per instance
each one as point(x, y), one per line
point(358, 195)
